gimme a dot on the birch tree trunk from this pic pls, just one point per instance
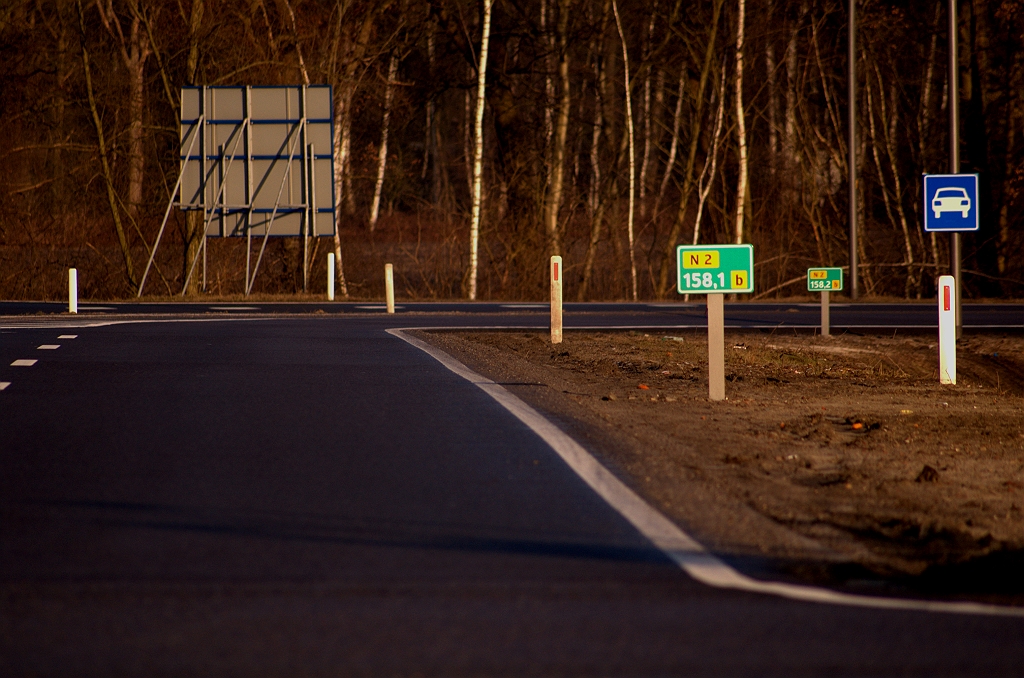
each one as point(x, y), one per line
point(554, 196)
point(632, 151)
point(478, 152)
point(741, 127)
point(382, 155)
point(339, 192)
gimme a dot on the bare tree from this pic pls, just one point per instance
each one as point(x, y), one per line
point(112, 199)
point(597, 204)
point(478, 151)
point(696, 121)
point(741, 126)
point(557, 168)
point(382, 153)
point(632, 151)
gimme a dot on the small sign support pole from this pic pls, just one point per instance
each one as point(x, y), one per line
point(389, 287)
point(824, 314)
point(716, 346)
point(557, 273)
point(330, 276)
point(954, 146)
point(72, 290)
point(947, 329)
point(956, 255)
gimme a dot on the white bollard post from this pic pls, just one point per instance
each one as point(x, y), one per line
point(72, 290)
point(824, 314)
point(389, 287)
point(556, 299)
point(330, 276)
point(947, 329)
point(716, 346)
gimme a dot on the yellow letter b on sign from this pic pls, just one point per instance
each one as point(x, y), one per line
point(738, 279)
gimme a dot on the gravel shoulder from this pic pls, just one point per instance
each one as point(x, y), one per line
point(839, 461)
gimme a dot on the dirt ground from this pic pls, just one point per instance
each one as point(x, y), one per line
point(836, 460)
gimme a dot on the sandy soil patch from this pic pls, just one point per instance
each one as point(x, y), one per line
point(841, 460)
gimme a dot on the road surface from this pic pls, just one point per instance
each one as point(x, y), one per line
point(313, 496)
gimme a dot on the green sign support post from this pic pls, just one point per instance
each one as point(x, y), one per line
point(824, 280)
point(715, 270)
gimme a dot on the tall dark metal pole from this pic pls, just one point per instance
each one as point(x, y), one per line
point(954, 147)
point(851, 145)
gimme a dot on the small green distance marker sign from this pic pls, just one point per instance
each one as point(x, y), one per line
point(715, 268)
point(824, 279)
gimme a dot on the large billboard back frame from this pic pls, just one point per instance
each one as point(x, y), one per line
point(262, 162)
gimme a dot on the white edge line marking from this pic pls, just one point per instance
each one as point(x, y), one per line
point(4, 384)
point(24, 363)
point(68, 336)
point(135, 321)
point(47, 347)
point(680, 547)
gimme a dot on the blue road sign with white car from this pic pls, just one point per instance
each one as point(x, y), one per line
point(951, 202)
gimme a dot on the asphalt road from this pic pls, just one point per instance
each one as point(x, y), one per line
point(852, 317)
point(312, 496)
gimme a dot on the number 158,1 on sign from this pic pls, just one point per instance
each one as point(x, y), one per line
point(715, 268)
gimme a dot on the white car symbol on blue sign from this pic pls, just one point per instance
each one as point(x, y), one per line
point(951, 202)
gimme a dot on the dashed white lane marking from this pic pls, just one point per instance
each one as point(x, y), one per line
point(47, 347)
point(24, 363)
point(68, 336)
point(680, 547)
point(4, 384)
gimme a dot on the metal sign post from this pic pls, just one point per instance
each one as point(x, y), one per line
point(824, 280)
point(715, 270)
point(954, 144)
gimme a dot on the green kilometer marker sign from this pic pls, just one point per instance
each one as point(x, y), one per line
point(707, 269)
point(824, 280)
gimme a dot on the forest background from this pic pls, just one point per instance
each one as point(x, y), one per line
point(613, 130)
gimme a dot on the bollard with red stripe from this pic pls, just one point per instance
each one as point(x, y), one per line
point(556, 299)
point(947, 329)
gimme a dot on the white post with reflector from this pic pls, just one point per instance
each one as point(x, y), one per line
point(389, 287)
point(556, 299)
point(947, 329)
point(72, 290)
point(330, 276)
